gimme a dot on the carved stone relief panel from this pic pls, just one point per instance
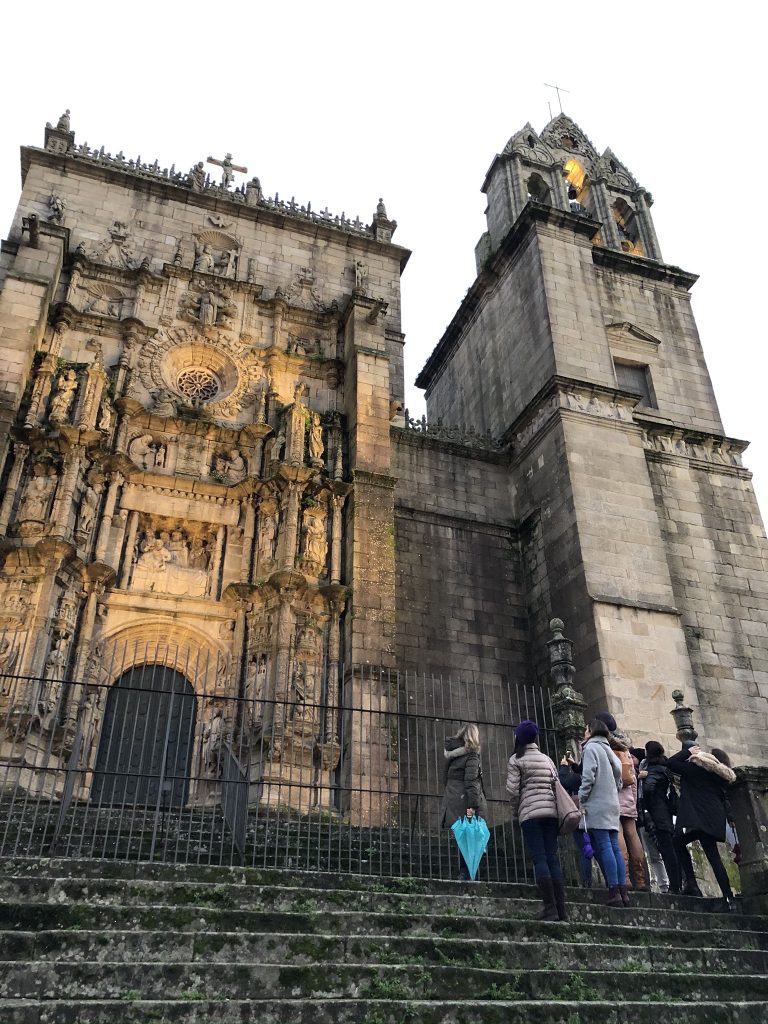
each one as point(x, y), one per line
point(172, 557)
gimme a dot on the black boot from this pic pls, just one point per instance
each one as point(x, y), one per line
point(559, 887)
point(547, 894)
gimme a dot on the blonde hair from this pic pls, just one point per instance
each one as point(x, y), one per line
point(470, 734)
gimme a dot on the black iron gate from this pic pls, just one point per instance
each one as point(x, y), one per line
point(151, 767)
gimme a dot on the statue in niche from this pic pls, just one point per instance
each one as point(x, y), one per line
point(206, 313)
point(64, 396)
point(88, 507)
point(37, 495)
point(213, 735)
point(204, 259)
point(105, 417)
point(231, 467)
point(199, 557)
point(255, 688)
point(9, 654)
point(49, 704)
point(147, 453)
point(273, 449)
point(57, 206)
point(315, 543)
point(177, 548)
point(211, 309)
point(164, 404)
point(316, 447)
point(361, 276)
point(267, 531)
point(226, 264)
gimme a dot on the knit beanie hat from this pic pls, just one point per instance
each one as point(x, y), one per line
point(608, 719)
point(526, 732)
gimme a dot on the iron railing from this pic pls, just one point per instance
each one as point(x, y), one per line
point(325, 767)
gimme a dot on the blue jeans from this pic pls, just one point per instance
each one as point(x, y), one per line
point(540, 836)
point(606, 845)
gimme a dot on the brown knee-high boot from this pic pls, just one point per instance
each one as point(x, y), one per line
point(547, 893)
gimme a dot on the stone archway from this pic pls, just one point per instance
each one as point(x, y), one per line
point(147, 739)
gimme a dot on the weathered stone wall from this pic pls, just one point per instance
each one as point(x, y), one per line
point(460, 604)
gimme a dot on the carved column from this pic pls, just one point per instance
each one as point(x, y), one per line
point(647, 230)
point(62, 506)
point(332, 690)
point(133, 527)
point(604, 213)
point(290, 532)
point(567, 703)
point(336, 529)
point(85, 639)
point(40, 391)
point(20, 453)
point(218, 554)
point(95, 379)
point(115, 481)
point(248, 535)
point(125, 365)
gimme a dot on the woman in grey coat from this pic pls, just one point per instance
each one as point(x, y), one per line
point(463, 782)
point(599, 800)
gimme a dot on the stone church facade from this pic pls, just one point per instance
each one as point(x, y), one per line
point(207, 465)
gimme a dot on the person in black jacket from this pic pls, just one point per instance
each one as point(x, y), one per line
point(704, 779)
point(659, 805)
point(571, 781)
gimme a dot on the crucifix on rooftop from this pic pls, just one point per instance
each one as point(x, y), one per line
point(227, 169)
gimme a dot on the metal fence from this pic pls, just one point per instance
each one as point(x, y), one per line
point(324, 767)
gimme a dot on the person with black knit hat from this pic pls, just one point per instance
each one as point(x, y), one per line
point(530, 784)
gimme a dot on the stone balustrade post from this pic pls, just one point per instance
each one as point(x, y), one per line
point(748, 799)
point(567, 703)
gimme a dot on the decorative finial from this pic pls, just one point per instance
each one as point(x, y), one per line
point(381, 210)
point(556, 625)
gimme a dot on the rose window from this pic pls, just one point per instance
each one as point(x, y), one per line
point(198, 384)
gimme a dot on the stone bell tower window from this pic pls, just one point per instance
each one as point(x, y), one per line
point(636, 377)
point(629, 230)
point(537, 189)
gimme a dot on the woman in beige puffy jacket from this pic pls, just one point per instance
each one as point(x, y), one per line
point(530, 783)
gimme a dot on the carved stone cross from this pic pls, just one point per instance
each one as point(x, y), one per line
point(227, 169)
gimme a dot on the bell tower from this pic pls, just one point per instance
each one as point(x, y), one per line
point(577, 349)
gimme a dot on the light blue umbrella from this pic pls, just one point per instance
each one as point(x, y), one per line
point(471, 838)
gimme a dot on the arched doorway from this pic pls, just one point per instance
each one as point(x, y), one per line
point(145, 749)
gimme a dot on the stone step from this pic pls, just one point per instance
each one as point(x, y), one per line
point(138, 892)
point(314, 906)
point(614, 949)
point(44, 981)
point(196, 1010)
point(632, 923)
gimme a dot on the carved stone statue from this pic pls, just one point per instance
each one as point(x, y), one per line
point(206, 313)
point(155, 556)
point(267, 532)
point(198, 557)
point(66, 389)
point(253, 193)
point(88, 508)
point(226, 264)
point(142, 451)
point(204, 259)
point(361, 276)
point(316, 446)
point(163, 404)
point(196, 177)
point(57, 206)
point(37, 495)
point(9, 653)
point(231, 467)
point(105, 417)
point(315, 543)
point(213, 734)
point(49, 705)
point(273, 449)
point(62, 125)
point(104, 305)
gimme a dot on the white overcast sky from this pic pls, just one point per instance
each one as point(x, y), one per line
point(340, 103)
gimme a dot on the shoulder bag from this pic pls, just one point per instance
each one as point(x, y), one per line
point(568, 815)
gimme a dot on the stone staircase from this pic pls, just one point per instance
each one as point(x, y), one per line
point(107, 942)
